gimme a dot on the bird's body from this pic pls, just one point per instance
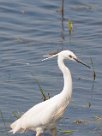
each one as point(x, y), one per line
point(46, 114)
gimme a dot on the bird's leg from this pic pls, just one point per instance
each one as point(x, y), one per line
point(53, 131)
point(38, 134)
point(39, 131)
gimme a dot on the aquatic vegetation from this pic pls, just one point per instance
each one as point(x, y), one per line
point(44, 97)
point(70, 26)
point(66, 131)
point(93, 80)
point(89, 104)
point(79, 122)
point(94, 73)
point(4, 122)
point(16, 114)
point(62, 8)
point(98, 118)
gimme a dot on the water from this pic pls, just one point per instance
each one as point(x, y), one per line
point(30, 29)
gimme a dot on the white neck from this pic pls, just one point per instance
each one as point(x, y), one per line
point(67, 88)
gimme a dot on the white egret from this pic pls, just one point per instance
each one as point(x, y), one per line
point(45, 115)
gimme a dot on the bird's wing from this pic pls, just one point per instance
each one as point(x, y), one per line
point(39, 114)
point(35, 117)
point(54, 110)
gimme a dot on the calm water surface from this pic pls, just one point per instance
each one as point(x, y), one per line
point(30, 29)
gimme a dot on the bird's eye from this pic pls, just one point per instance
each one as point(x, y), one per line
point(70, 56)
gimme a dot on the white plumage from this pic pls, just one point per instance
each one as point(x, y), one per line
point(45, 114)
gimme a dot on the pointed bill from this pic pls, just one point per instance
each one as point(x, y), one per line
point(79, 61)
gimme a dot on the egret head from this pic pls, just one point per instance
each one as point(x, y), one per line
point(67, 54)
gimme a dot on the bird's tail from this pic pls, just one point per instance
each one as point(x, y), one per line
point(15, 126)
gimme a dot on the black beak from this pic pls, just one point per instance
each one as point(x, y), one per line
point(79, 61)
